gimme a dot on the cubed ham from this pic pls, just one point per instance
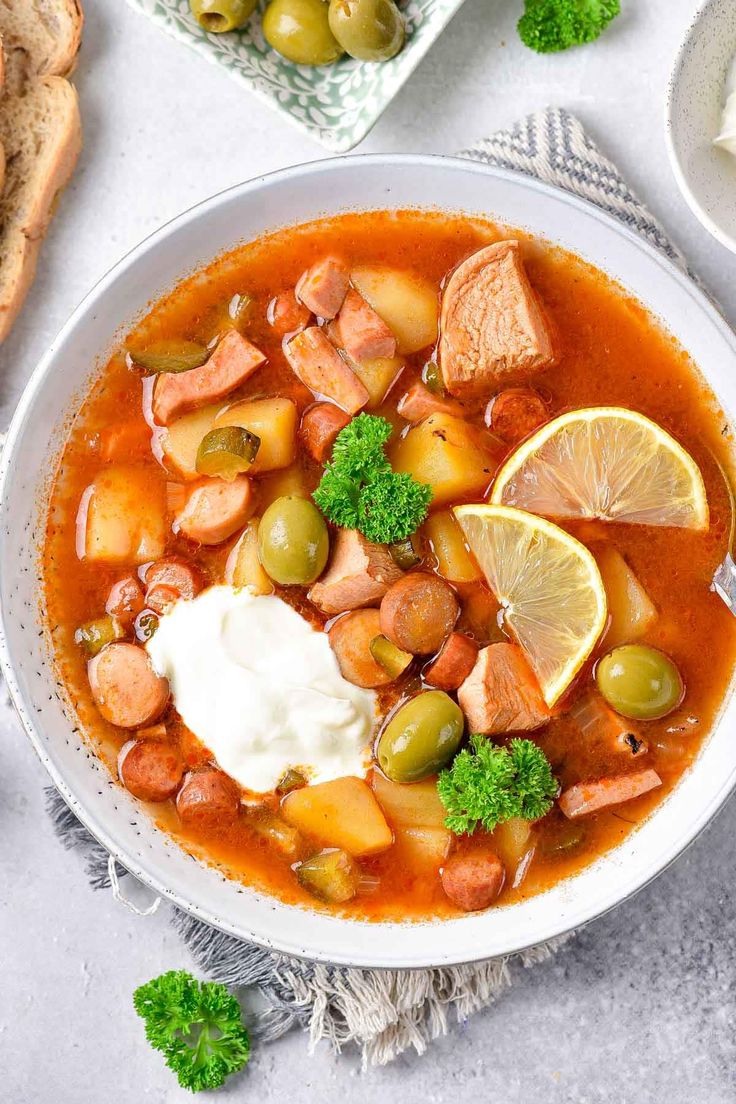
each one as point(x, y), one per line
point(320, 367)
point(590, 797)
point(501, 693)
point(360, 331)
point(492, 326)
point(231, 364)
point(359, 574)
point(322, 288)
point(319, 428)
point(419, 402)
point(287, 315)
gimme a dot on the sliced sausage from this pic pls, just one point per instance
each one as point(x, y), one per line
point(359, 574)
point(419, 402)
point(360, 331)
point(179, 576)
point(161, 598)
point(492, 325)
point(322, 288)
point(125, 600)
point(319, 428)
point(473, 879)
point(515, 413)
point(232, 363)
point(501, 693)
point(287, 315)
point(319, 366)
point(350, 638)
point(214, 509)
point(126, 689)
point(455, 661)
point(418, 612)
point(151, 770)
point(208, 799)
point(590, 797)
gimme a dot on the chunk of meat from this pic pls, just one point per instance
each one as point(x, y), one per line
point(359, 574)
point(231, 364)
point(492, 325)
point(603, 728)
point(418, 612)
point(208, 799)
point(178, 575)
point(323, 287)
point(319, 427)
point(515, 413)
point(360, 331)
point(287, 315)
point(419, 402)
point(125, 600)
point(501, 693)
point(151, 769)
point(473, 879)
point(319, 366)
point(214, 509)
point(590, 797)
point(126, 689)
point(453, 664)
point(350, 638)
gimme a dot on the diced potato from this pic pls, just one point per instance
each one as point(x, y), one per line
point(407, 303)
point(275, 422)
point(243, 568)
point(423, 847)
point(343, 813)
point(445, 536)
point(412, 805)
point(183, 437)
point(377, 376)
point(631, 610)
point(287, 483)
point(512, 842)
point(454, 458)
point(122, 517)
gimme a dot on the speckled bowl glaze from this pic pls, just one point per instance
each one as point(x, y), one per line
point(706, 175)
point(31, 455)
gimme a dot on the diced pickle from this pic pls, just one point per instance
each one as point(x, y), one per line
point(283, 837)
point(226, 452)
point(562, 838)
point(95, 635)
point(291, 780)
point(404, 554)
point(240, 309)
point(145, 625)
point(331, 876)
point(432, 378)
point(170, 355)
point(393, 660)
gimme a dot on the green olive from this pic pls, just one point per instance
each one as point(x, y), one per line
point(639, 682)
point(421, 737)
point(293, 544)
point(217, 16)
point(299, 30)
point(370, 30)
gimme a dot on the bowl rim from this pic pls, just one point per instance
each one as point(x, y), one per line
point(588, 909)
point(678, 172)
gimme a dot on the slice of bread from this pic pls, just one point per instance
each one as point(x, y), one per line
point(40, 38)
point(41, 133)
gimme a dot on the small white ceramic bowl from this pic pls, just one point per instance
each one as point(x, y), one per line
point(706, 175)
point(28, 463)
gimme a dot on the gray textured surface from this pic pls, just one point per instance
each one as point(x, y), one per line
point(642, 1006)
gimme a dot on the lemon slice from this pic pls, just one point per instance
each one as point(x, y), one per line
point(608, 463)
point(548, 584)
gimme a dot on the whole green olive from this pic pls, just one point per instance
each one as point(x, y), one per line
point(370, 30)
point(639, 682)
point(299, 30)
point(218, 16)
point(293, 544)
point(421, 737)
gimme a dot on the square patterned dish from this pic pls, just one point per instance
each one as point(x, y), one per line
point(337, 104)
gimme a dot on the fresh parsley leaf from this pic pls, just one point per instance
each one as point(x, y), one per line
point(551, 25)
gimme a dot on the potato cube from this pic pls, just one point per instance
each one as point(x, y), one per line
point(183, 437)
point(631, 610)
point(407, 303)
point(274, 421)
point(445, 536)
point(343, 813)
point(287, 483)
point(122, 517)
point(409, 805)
point(243, 568)
point(454, 458)
point(378, 376)
point(423, 847)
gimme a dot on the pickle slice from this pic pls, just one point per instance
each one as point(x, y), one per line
point(240, 309)
point(331, 876)
point(96, 635)
point(432, 378)
point(170, 355)
point(393, 660)
point(291, 780)
point(227, 451)
point(404, 554)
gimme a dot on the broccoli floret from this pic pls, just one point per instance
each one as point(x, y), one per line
point(550, 25)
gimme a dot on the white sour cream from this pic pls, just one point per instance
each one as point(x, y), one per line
point(262, 689)
point(726, 138)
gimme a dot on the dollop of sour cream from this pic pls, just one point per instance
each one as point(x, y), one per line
point(262, 689)
point(726, 138)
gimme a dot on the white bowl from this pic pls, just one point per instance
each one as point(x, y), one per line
point(35, 438)
point(706, 175)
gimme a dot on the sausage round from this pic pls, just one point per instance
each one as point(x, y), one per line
point(125, 600)
point(351, 638)
point(126, 689)
point(151, 770)
point(417, 613)
point(455, 661)
point(319, 427)
point(287, 315)
point(208, 799)
point(473, 879)
point(516, 413)
point(176, 574)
